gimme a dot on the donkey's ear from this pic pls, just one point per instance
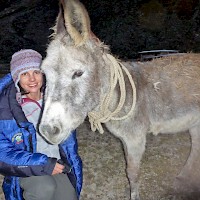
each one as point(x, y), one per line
point(74, 20)
point(60, 22)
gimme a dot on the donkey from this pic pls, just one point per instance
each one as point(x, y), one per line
point(132, 99)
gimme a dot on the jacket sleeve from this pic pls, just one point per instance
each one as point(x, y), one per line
point(15, 161)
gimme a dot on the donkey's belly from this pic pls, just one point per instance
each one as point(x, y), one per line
point(175, 125)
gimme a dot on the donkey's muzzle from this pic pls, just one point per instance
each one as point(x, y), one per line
point(49, 132)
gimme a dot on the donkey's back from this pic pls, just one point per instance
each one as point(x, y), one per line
point(170, 91)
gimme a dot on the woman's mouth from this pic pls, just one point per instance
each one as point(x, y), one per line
point(33, 85)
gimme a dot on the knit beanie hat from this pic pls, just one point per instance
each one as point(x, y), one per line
point(23, 61)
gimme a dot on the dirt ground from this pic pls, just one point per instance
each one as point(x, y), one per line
point(104, 166)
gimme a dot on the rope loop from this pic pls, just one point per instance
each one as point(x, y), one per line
point(96, 118)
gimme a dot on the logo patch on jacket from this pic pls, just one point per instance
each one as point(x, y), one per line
point(17, 138)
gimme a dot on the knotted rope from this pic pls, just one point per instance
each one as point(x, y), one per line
point(96, 118)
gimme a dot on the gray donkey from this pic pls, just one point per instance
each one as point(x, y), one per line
point(131, 99)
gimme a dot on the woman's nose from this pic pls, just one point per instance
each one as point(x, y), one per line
point(32, 77)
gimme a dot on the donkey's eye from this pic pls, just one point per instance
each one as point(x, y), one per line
point(77, 74)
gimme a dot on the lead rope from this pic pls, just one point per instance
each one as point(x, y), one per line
point(96, 118)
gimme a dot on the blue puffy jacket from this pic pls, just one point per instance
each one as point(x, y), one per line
point(18, 157)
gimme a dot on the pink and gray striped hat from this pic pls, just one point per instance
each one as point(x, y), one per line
point(23, 61)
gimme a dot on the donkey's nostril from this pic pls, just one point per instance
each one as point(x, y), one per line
point(48, 130)
point(56, 130)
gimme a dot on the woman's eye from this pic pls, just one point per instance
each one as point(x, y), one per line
point(24, 74)
point(37, 72)
point(77, 74)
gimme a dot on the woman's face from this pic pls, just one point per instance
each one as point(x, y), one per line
point(31, 81)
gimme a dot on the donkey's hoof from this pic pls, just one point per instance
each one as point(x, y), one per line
point(135, 197)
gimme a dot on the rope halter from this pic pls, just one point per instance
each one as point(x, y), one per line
point(96, 118)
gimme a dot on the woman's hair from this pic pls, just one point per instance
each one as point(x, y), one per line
point(22, 91)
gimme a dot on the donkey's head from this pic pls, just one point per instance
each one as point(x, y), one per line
point(72, 73)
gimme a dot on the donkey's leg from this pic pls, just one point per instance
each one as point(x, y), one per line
point(188, 181)
point(134, 148)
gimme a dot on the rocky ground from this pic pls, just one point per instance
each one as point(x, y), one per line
point(104, 166)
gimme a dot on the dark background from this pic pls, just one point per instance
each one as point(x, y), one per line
point(127, 26)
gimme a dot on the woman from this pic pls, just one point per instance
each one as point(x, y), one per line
point(33, 168)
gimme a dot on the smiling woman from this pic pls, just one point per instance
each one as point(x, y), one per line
point(25, 70)
point(31, 165)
